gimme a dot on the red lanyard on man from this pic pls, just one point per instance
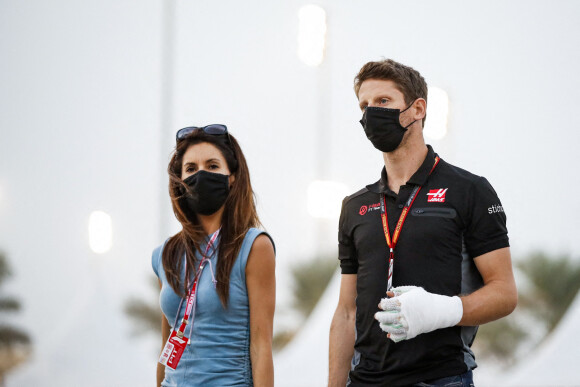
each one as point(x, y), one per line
point(392, 242)
point(176, 343)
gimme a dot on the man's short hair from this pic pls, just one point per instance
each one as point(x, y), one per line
point(407, 79)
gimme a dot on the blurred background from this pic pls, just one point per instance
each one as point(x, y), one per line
point(92, 94)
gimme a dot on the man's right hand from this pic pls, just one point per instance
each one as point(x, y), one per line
point(411, 311)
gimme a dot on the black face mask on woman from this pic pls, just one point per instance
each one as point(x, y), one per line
point(383, 128)
point(209, 192)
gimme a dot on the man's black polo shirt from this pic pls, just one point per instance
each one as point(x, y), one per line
point(455, 217)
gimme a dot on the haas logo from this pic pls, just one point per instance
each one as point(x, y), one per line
point(437, 195)
point(363, 210)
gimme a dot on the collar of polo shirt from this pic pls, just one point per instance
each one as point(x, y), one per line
point(419, 178)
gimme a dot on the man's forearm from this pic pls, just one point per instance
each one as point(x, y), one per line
point(341, 348)
point(493, 301)
point(498, 297)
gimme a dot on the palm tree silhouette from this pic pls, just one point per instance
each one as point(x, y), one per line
point(146, 313)
point(15, 344)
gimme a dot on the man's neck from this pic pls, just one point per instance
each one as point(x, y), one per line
point(403, 162)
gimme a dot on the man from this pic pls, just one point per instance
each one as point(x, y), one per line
point(428, 234)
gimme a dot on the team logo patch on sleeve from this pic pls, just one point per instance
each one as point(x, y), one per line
point(436, 195)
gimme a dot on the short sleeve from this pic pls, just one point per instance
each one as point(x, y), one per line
point(346, 250)
point(486, 230)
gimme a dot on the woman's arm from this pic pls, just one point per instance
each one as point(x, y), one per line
point(165, 330)
point(261, 283)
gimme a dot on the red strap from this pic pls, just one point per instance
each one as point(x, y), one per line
point(392, 243)
point(191, 298)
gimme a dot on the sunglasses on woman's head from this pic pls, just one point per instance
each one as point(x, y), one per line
point(213, 129)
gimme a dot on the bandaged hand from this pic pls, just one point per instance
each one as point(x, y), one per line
point(413, 311)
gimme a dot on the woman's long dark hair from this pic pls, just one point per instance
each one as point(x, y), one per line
point(239, 215)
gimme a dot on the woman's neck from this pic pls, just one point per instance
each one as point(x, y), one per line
point(211, 223)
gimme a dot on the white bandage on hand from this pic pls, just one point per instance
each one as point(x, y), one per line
point(414, 311)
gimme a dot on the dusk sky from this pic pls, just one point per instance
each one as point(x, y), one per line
point(93, 93)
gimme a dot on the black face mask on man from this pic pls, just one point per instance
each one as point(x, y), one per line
point(383, 128)
point(209, 192)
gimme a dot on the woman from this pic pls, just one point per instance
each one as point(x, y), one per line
point(217, 274)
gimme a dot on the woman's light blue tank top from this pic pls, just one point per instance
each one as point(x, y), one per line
point(220, 340)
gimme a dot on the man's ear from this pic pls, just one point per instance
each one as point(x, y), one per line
point(420, 109)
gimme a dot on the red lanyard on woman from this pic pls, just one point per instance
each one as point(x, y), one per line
point(176, 343)
point(392, 243)
point(192, 295)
